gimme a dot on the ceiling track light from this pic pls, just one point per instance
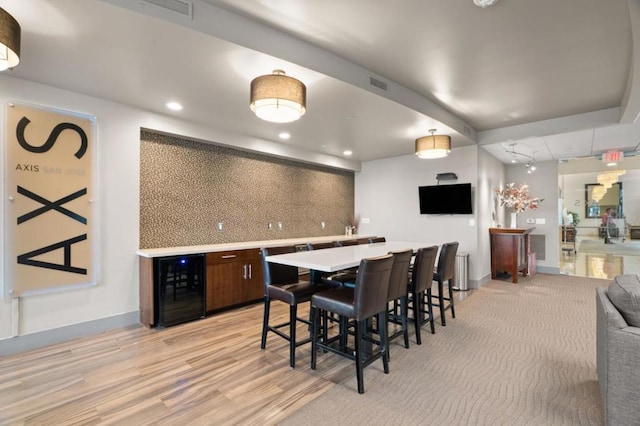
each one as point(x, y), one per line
point(520, 157)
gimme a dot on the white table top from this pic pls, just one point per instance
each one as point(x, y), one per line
point(338, 258)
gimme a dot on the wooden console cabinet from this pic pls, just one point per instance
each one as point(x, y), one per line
point(233, 277)
point(509, 251)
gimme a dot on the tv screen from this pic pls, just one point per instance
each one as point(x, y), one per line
point(445, 199)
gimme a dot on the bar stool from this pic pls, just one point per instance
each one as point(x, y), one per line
point(446, 272)
point(316, 276)
point(420, 289)
point(348, 276)
point(281, 282)
point(398, 286)
point(367, 300)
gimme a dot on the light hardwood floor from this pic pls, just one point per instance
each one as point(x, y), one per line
point(210, 371)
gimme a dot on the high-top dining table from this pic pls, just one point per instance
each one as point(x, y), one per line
point(338, 258)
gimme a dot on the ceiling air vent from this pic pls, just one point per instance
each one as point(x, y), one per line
point(378, 83)
point(177, 6)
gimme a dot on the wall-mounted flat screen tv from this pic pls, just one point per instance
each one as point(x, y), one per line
point(445, 199)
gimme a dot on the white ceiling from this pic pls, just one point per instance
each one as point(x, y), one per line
point(550, 76)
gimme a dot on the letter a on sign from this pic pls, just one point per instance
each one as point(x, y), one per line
point(50, 212)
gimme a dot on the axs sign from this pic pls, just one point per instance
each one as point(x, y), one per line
point(50, 209)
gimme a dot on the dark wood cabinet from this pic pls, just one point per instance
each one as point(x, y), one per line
point(233, 278)
point(224, 270)
point(253, 288)
point(509, 251)
point(147, 311)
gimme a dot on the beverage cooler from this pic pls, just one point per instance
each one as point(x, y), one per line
point(179, 289)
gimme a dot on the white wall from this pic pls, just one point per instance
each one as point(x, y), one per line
point(387, 194)
point(118, 142)
point(543, 183)
point(491, 175)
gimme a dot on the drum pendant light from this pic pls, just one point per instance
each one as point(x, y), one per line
point(278, 98)
point(434, 146)
point(9, 41)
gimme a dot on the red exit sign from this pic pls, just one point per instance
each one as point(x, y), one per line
point(612, 156)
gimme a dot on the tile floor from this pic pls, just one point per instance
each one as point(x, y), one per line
point(597, 265)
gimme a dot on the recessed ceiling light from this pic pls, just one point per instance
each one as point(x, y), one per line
point(347, 152)
point(174, 106)
point(284, 135)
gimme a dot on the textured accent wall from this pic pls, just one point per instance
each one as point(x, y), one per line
point(187, 187)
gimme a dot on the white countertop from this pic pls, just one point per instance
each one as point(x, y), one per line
point(210, 248)
point(338, 258)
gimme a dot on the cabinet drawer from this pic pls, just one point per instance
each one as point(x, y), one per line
point(230, 256)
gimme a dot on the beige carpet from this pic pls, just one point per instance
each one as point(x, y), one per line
point(515, 354)
point(626, 248)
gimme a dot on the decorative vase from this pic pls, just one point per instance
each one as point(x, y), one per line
point(514, 220)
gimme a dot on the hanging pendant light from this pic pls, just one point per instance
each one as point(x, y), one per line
point(484, 3)
point(434, 146)
point(9, 41)
point(278, 98)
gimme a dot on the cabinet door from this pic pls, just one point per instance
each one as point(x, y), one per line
point(224, 279)
point(253, 286)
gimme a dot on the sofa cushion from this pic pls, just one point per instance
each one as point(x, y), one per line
point(624, 293)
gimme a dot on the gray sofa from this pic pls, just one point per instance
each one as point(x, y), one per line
point(618, 350)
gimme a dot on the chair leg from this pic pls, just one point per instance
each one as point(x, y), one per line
point(385, 314)
point(405, 326)
point(265, 322)
point(344, 331)
point(430, 308)
point(359, 325)
point(324, 325)
point(314, 336)
point(417, 300)
point(441, 302)
point(453, 310)
point(293, 311)
point(384, 340)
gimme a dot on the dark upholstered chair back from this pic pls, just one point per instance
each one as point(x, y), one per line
point(423, 268)
point(274, 273)
point(399, 274)
point(377, 240)
point(318, 246)
point(372, 286)
point(346, 243)
point(447, 261)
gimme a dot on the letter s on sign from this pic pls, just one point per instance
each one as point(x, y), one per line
point(51, 140)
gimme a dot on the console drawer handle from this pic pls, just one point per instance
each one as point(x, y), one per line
point(229, 256)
